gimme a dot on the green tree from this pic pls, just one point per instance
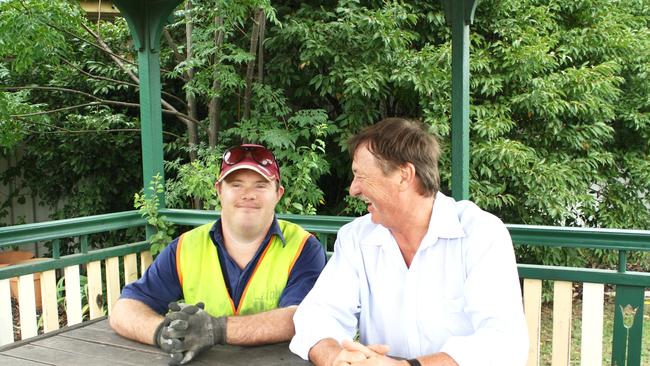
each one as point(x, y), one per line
point(559, 109)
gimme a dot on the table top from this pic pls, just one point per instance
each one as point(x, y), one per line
point(95, 343)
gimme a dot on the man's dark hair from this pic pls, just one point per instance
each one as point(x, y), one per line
point(397, 141)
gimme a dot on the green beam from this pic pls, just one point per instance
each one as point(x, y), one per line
point(591, 275)
point(146, 19)
point(72, 260)
point(459, 14)
point(50, 230)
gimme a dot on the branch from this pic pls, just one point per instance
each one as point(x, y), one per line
point(97, 77)
point(168, 38)
point(100, 100)
point(118, 60)
point(55, 110)
point(99, 47)
point(183, 117)
point(65, 130)
point(110, 131)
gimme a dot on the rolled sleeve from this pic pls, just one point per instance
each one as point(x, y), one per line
point(331, 309)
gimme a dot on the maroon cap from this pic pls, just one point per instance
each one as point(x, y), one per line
point(250, 156)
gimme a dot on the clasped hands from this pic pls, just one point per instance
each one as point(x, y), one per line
point(187, 331)
point(356, 354)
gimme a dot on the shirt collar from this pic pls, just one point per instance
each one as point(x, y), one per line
point(444, 223)
point(216, 233)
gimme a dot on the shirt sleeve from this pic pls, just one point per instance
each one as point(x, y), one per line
point(159, 285)
point(304, 274)
point(331, 309)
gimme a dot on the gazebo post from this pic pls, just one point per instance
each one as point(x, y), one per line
point(146, 19)
point(459, 14)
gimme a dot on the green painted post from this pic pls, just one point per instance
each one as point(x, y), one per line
point(622, 261)
point(146, 19)
point(459, 14)
point(84, 244)
point(56, 248)
point(628, 326)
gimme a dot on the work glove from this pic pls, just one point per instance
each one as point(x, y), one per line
point(189, 330)
point(160, 337)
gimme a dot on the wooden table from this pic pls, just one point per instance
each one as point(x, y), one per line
point(94, 343)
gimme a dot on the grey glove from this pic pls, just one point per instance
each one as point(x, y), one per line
point(190, 331)
point(160, 337)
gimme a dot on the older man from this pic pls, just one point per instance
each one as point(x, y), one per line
point(247, 271)
point(422, 278)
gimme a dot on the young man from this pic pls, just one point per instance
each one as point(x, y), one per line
point(247, 271)
point(422, 277)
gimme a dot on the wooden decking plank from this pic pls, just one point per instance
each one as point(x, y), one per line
point(73, 295)
point(593, 301)
point(562, 309)
point(130, 268)
point(95, 300)
point(6, 315)
point(49, 300)
point(13, 361)
point(112, 282)
point(109, 338)
point(533, 311)
point(145, 261)
point(253, 355)
point(27, 306)
point(58, 357)
point(109, 352)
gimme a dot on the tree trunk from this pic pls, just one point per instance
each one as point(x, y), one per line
point(192, 133)
point(251, 64)
point(214, 107)
point(260, 51)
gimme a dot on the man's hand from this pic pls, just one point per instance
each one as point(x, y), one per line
point(355, 353)
point(188, 330)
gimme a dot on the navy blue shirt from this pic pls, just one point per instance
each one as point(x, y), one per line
point(160, 285)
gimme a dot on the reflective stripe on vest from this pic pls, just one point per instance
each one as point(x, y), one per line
point(199, 271)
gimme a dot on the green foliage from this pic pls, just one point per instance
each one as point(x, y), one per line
point(560, 115)
point(194, 180)
point(148, 206)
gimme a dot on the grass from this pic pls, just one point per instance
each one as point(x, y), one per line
point(608, 326)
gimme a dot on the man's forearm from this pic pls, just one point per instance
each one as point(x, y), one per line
point(324, 352)
point(134, 320)
point(271, 326)
point(437, 359)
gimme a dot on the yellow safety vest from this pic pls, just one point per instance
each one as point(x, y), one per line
point(200, 276)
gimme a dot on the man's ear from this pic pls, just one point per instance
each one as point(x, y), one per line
point(280, 192)
point(407, 175)
point(217, 187)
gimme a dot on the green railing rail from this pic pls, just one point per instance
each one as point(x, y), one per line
point(630, 286)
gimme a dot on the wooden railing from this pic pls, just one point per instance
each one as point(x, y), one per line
point(111, 268)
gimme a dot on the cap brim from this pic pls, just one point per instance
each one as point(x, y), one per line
point(253, 167)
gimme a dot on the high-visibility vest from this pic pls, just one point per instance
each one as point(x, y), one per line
point(200, 276)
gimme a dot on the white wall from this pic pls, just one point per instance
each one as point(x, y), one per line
point(30, 210)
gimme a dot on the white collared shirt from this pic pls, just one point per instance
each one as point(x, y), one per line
point(461, 294)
